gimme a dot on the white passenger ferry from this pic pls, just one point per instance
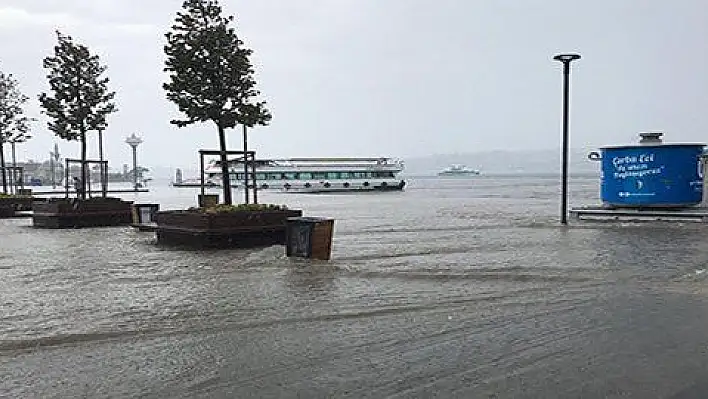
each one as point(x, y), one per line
point(312, 175)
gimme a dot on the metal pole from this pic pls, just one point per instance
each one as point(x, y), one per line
point(201, 171)
point(14, 168)
point(255, 183)
point(3, 166)
point(104, 169)
point(66, 179)
point(245, 165)
point(135, 167)
point(566, 59)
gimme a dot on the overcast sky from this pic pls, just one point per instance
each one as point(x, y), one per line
point(402, 78)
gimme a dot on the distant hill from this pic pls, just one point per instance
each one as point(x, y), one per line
point(504, 162)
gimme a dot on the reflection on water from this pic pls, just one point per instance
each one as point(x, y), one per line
point(457, 288)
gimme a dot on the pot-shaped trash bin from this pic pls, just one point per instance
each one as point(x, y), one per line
point(309, 237)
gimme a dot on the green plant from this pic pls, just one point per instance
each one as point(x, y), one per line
point(2, 195)
point(14, 125)
point(210, 75)
point(80, 100)
point(224, 208)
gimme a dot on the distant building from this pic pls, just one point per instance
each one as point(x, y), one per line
point(41, 172)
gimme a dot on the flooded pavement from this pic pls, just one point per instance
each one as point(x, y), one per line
point(455, 288)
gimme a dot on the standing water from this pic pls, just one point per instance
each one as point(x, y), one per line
point(460, 288)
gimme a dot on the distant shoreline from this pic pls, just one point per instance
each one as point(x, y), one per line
point(487, 175)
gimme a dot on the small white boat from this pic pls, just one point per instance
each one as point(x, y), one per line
point(459, 170)
point(195, 183)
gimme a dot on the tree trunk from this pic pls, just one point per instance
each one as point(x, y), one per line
point(2, 166)
point(225, 177)
point(83, 165)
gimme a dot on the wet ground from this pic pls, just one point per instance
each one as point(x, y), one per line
point(453, 288)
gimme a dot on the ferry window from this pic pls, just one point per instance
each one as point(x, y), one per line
point(359, 175)
point(272, 176)
point(306, 176)
point(346, 175)
point(260, 176)
point(291, 176)
point(332, 175)
point(319, 175)
point(239, 176)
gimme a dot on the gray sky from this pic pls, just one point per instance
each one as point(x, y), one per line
point(401, 78)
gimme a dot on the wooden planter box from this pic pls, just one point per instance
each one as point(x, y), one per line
point(10, 205)
point(62, 213)
point(244, 229)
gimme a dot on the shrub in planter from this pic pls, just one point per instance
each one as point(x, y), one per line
point(12, 203)
point(223, 208)
point(244, 225)
point(73, 212)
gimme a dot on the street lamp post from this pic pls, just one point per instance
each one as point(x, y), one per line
point(133, 141)
point(566, 59)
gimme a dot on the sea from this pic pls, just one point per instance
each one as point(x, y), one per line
point(452, 288)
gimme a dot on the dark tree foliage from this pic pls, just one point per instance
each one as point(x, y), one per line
point(210, 75)
point(19, 137)
point(81, 100)
point(14, 125)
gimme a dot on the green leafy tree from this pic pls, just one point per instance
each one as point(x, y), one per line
point(20, 137)
point(14, 125)
point(210, 75)
point(81, 100)
point(141, 172)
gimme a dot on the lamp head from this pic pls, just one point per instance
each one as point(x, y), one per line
point(567, 57)
point(133, 140)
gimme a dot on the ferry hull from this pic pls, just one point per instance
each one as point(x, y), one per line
point(312, 187)
point(207, 185)
point(318, 187)
point(447, 174)
point(399, 186)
